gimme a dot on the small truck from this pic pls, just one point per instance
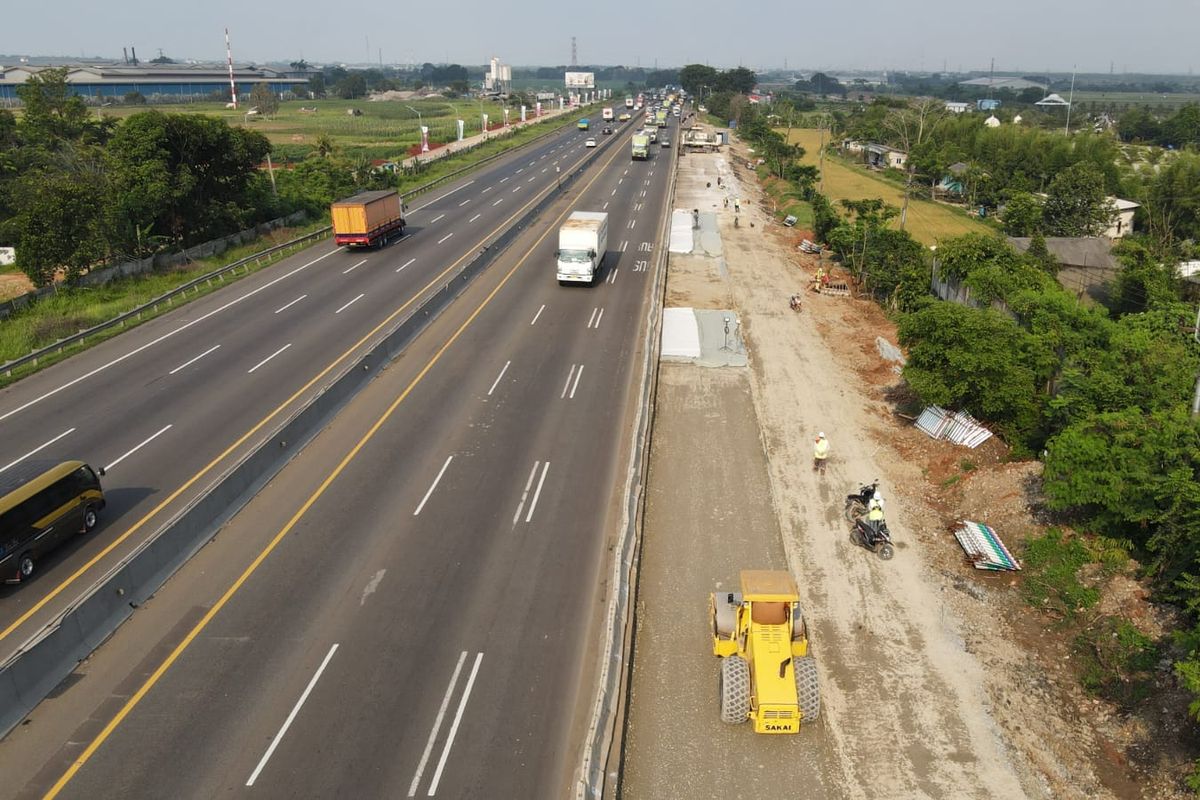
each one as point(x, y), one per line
point(368, 219)
point(582, 241)
point(641, 147)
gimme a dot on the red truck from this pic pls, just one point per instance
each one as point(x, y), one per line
point(368, 219)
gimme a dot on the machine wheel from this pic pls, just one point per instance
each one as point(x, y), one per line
point(808, 689)
point(854, 510)
point(724, 614)
point(90, 518)
point(734, 686)
point(26, 567)
point(886, 551)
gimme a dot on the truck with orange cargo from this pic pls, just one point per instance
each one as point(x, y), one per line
point(368, 219)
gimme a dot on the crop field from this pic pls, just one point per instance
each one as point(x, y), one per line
point(1121, 100)
point(927, 222)
point(383, 130)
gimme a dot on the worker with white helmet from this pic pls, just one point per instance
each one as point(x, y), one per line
point(820, 452)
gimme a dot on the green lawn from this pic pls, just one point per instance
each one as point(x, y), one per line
point(927, 222)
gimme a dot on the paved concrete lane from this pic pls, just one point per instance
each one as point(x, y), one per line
point(465, 538)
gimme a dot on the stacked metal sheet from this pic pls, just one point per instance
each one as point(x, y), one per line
point(958, 427)
point(984, 548)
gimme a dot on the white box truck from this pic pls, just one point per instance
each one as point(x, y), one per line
point(582, 240)
point(607, 115)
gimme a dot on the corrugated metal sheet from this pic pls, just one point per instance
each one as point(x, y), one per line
point(984, 548)
point(958, 427)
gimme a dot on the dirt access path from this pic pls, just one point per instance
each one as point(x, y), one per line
point(926, 690)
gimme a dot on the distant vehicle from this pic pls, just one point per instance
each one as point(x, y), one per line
point(624, 118)
point(607, 114)
point(641, 146)
point(665, 142)
point(42, 505)
point(584, 124)
point(607, 131)
point(590, 143)
point(368, 219)
point(652, 133)
point(582, 242)
point(629, 102)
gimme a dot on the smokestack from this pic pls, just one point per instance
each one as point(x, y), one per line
point(229, 60)
point(134, 51)
point(125, 54)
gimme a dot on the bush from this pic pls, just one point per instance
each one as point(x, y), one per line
point(1052, 564)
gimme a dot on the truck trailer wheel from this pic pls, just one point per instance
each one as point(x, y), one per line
point(808, 689)
point(734, 686)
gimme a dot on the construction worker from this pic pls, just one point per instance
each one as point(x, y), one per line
point(819, 283)
point(820, 453)
point(875, 515)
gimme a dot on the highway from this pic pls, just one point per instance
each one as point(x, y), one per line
point(408, 608)
point(168, 406)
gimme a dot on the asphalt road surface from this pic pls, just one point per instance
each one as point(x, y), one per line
point(171, 404)
point(408, 608)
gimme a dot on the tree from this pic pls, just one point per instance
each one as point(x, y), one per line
point(739, 80)
point(59, 224)
point(50, 110)
point(970, 358)
point(351, 87)
point(911, 126)
point(694, 77)
point(1077, 203)
point(264, 99)
point(1040, 255)
point(1022, 215)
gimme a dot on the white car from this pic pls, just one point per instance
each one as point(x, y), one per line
point(590, 143)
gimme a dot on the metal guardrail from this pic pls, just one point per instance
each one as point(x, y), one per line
point(605, 731)
point(219, 274)
point(48, 656)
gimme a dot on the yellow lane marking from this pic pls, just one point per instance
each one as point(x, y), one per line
point(130, 704)
point(21, 620)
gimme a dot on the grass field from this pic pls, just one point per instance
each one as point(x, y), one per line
point(1122, 99)
point(927, 222)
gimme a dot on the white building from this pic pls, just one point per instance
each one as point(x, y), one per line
point(499, 77)
point(957, 108)
point(1123, 222)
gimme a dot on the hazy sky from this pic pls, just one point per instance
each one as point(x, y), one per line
point(1022, 35)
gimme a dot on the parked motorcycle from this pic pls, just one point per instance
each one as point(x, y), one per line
point(871, 534)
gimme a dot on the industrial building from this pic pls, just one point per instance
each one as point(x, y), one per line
point(157, 83)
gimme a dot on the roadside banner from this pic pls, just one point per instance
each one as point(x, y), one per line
point(506, 117)
point(424, 139)
point(522, 113)
point(537, 110)
point(461, 125)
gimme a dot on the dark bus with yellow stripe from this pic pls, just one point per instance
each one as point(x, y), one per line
point(42, 505)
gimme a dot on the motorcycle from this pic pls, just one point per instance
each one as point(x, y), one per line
point(871, 534)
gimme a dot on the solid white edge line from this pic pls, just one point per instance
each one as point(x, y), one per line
point(462, 705)
point(292, 716)
point(433, 485)
point(194, 360)
point(147, 441)
point(538, 492)
point(575, 385)
point(37, 449)
point(498, 377)
point(598, 318)
point(356, 266)
point(538, 314)
point(406, 263)
point(567, 385)
point(437, 726)
point(165, 336)
point(268, 358)
point(289, 305)
point(352, 302)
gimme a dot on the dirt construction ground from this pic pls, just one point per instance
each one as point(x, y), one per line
point(936, 681)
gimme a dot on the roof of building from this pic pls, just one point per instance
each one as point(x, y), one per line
point(1052, 100)
point(149, 73)
point(1075, 251)
point(1125, 205)
point(957, 168)
point(1002, 83)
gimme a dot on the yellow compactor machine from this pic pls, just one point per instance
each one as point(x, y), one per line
point(767, 674)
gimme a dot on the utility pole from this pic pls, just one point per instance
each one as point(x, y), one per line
point(1196, 336)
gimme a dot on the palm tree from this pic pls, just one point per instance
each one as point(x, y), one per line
point(324, 145)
